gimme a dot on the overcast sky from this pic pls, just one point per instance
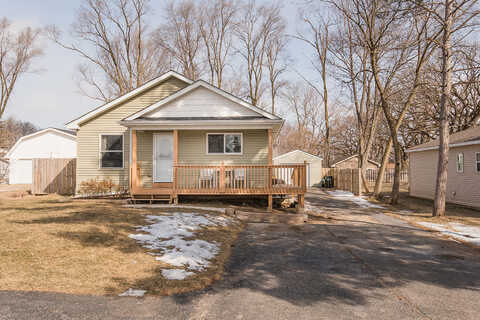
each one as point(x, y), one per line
point(51, 98)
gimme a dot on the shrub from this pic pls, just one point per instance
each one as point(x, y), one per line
point(99, 187)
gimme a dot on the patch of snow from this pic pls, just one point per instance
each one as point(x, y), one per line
point(133, 293)
point(193, 254)
point(360, 201)
point(175, 206)
point(175, 274)
point(404, 212)
point(457, 231)
point(171, 233)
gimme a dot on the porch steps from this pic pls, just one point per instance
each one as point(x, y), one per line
point(150, 198)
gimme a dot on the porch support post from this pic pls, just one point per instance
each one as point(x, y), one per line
point(301, 203)
point(175, 163)
point(270, 169)
point(133, 173)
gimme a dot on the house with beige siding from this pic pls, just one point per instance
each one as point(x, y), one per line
point(463, 182)
point(353, 162)
point(173, 136)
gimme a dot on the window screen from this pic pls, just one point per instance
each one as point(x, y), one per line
point(478, 161)
point(215, 143)
point(459, 162)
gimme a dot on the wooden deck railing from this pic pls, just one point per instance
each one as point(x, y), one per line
point(239, 179)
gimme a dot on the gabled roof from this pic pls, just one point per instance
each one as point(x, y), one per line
point(295, 151)
point(467, 137)
point(62, 132)
point(354, 156)
point(74, 124)
point(197, 84)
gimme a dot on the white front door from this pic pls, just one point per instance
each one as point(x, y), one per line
point(163, 157)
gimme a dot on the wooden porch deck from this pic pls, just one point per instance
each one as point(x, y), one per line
point(267, 180)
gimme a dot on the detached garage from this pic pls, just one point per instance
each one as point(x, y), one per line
point(314, 164)
point(48, 143)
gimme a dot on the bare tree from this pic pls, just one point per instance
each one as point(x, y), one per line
point(216, 29)
point(351, 61)
point(256, 27)
point(180, 35)
point(395, 37)
point(17, 52)
point(305, 104)
point(118, 50)
point(318, 38)
point(12, 129)
point(276, 64)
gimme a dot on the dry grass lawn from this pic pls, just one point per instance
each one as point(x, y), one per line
point(421, 210)
point(53, 243)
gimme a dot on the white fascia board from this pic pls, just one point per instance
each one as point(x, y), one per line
point(74, 124)
point(9, 153)
point(453, 145)
point(201, 83)
point(203, 124)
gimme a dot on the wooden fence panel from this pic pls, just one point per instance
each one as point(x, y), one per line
point(345, 179)
point(54, 176)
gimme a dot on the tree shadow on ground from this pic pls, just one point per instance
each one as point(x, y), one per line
point(345, 263)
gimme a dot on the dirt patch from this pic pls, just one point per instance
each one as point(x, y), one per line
point(53, 243)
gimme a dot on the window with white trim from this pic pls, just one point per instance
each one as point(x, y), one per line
point(459, 162)
point(477, 158)
point(224, 143)
point(111, 151)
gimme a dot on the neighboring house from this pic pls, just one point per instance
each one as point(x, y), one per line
point(463, 182)
point(173, 136)
point(3, 170)
point(47, 143)
point(314, 164)
point(353, 162)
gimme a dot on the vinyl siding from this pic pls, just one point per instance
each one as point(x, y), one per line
point(192, 148)
point(107, 123)
point(462, 188)
point(201, 102)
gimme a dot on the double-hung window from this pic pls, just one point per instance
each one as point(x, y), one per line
point(477, 162)
point(224, 143)
point(459, 162)
point(111, 151)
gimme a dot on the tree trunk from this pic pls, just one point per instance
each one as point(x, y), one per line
point(381, 172)
point(442, 167)
point(396, 176)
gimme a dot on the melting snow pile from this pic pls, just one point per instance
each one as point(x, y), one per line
point(457, 231)
point(133, 293)
point(361, 202)
point(170, 235)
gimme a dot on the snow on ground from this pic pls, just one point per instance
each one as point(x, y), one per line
point(133, 293)
point(360, 201)
point(172, 235)
point(175, 274)
point(457, 231)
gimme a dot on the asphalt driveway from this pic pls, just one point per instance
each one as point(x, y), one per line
point(349, 263)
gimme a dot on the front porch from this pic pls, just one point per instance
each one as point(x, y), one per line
point(219, 179)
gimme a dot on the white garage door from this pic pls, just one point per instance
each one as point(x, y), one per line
point(20, 172)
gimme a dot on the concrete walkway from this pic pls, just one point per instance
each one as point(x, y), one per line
point(349, 263)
